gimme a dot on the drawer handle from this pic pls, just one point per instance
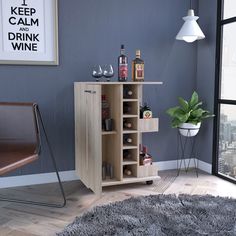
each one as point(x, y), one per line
point(90, 91)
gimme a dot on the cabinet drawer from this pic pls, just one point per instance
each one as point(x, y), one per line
point(149, 125)
point(146, 171)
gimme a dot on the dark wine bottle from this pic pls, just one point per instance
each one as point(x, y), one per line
point(122, 65)
point(141, 112)
point(147, 112)
point(141, 154)
point(127, 93)
point(127, 172)
point(127, 155)
point(138, 68)
point(127, 140)
point(127, 108)
point(127, 124)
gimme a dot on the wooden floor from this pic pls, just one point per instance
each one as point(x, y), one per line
point(22, 220)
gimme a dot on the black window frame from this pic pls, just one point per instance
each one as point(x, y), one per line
point(218, 101)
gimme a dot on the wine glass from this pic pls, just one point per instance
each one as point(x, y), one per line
point(108, 72)
point(97, 72)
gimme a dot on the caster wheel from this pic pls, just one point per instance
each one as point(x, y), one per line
point(150, 182)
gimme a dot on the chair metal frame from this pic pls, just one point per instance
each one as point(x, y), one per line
point(39, 120)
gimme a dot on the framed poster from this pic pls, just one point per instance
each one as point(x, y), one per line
point(28, 32)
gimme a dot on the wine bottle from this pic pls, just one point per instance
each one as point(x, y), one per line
point(122, 65)
point(147, 113)
point(127, 93)
point(127, 108)
point(127, 172)
point(145, 158)
point(128, 140)
point(127, 125)
point(141, 154)
point(127, 155)
point(141, 112)
point(138, 68)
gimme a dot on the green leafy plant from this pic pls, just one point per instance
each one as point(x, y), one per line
point(188, 112)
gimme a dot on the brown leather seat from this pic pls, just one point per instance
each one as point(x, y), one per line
point(20, 143)
point(19, 136)
point(15, 156)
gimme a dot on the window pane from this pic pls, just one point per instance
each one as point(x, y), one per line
point(227, 141)
point(228, 73)
point(229, 8)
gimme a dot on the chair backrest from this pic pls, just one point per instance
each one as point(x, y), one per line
point(18, 125)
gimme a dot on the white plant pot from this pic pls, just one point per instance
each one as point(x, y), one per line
point(189, 129)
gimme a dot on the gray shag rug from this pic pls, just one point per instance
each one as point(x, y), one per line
point(162, 215)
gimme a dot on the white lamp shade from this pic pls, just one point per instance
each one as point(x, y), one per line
point(190, 30)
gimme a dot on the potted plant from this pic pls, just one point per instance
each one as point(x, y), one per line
point(188, 116)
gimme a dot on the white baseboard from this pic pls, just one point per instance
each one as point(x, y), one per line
point(167, 165)
point(205, 166)
point(25, 180)
point(170, 165)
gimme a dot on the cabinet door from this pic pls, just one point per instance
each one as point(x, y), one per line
point(88, 146)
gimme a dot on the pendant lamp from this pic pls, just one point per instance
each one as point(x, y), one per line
point(190, 30)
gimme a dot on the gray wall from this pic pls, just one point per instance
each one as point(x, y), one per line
point(206, 73)
point(91, 32)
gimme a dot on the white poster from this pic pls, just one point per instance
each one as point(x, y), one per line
point(28, 32)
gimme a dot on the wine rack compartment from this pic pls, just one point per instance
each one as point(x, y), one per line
point(130, 108)
point(130, 124)
point(130, 156)
point(109, 157)
point(146, 171)
point(108, 92)
point(149, 125)
point(130, 140)
point(130, 92)
point(129, 171)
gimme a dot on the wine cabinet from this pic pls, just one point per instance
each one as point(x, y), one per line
point(118, 148)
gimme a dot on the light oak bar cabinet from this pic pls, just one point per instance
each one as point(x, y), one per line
point(93, 146)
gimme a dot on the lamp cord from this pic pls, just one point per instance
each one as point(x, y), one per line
point(190, 4)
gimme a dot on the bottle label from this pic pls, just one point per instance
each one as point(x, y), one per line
point(147, 114)
point(123, 71)
point(139, 72)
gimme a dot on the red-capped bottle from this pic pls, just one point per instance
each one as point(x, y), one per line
point(122, 65)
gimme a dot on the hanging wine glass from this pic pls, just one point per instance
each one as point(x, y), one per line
point(97, 72)
point(108, 72)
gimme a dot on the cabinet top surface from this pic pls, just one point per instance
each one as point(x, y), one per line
point(116, 83)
